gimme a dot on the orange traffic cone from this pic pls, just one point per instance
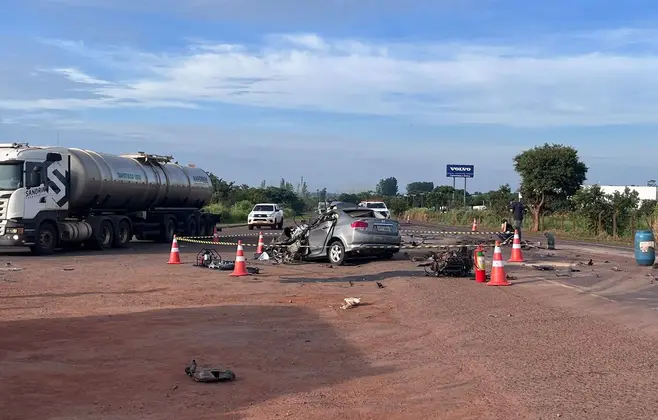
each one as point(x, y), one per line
point(474, 228)
point(215, 235)
point(498, 276)
point(174, 255)
point(240, 268)
point(261, 244)
point(517, 254)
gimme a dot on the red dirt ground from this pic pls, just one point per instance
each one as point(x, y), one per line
point(108, 337)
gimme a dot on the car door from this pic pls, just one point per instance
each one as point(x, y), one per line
point(317, 238)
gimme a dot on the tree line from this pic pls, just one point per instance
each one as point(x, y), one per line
point(552, 189)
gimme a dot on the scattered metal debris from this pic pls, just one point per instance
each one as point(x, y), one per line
point(543, 267)
point(351, 302)
point(456, 263)
point(207, 374)
point(379, 285)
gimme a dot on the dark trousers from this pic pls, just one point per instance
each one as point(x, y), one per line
point(517, 225)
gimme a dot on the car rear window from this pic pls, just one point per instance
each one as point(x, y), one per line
point(358, 213)
point(376, 205)
point(263, 208)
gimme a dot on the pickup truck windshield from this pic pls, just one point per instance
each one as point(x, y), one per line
point(376, 205)
point(260, 207)
point(11, 176)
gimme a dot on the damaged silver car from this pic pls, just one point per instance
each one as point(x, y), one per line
point(338, 234)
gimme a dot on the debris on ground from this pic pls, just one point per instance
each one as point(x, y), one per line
point(543, 267)
point(207, 374)
point(351, 302)
point(379, 285)
point(617, 269)
point(457, 263)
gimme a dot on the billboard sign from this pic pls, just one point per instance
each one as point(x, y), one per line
point(460, 171)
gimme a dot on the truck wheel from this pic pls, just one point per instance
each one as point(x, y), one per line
point(251, 227)
point(280, 226)
point(203, 229)
point(46, 240)
point(168, 231)
point(191, 228)
point(336, 253)
point(124, 235)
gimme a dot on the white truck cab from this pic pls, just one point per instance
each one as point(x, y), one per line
point(379, 207)
point(266, 214)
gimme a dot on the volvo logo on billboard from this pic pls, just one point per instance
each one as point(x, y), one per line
point(460, 171)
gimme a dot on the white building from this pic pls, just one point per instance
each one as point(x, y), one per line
point(644, 192)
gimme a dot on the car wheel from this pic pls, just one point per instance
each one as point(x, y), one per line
point(280, 226)
point(336, 253)
point(387, 256)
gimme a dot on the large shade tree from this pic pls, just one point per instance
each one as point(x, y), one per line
point(549, 173)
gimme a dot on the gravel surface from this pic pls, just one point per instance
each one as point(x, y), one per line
point(107, 336)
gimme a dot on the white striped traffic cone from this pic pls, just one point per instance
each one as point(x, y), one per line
point(240, 268)
point(174, 255)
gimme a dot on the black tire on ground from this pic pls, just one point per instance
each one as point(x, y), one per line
point(192, 229)
point(251, 227)
point(336, 253)
point(387, 256)
point(103, 238)
point(168, 231)
point(46, 240)
point(123, 235)
point(280, 225)
point(203, 228)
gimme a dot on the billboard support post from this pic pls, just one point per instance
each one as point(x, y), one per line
point(459, 171)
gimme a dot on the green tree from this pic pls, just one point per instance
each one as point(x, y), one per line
point(388, 187)
point(420, 187)
point(498, 200)
point(590, 203)
point(349, 198)
point(624, 204)
point(548, 172)
point(647, 210)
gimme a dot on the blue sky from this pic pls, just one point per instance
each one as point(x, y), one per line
point(341, 92)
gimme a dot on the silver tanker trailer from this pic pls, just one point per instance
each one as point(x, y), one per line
point(54, 197)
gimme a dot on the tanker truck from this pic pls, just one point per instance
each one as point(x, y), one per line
point(55, 197)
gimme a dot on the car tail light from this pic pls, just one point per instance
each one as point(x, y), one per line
point(359, 225)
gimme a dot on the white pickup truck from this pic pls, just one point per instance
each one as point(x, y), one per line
point(266, 214)
point(379, 207)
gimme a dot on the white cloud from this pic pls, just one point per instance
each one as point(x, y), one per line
point(431, 83)
point(77, 76)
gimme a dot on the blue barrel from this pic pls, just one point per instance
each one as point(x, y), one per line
point(645, 247)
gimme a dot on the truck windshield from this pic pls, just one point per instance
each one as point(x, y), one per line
point(11, 176)
point(261, 207)
point(376, 205)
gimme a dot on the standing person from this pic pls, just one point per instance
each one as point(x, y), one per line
point(516, 207)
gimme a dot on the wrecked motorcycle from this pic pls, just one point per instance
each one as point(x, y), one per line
point(453, 263)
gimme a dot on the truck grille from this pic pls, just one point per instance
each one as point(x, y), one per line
point(3, 208)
